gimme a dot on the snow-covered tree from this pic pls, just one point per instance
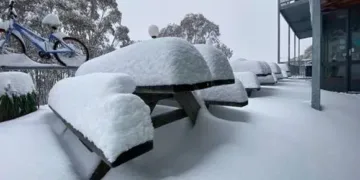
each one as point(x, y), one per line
point(96, 22)
point(197, 29)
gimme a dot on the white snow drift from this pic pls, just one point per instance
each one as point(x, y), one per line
point(32, 152)
point(217, 62)
point(16, 83)
point(16, 60)
point(233, 93)
point(162, 61)
point(95, 105)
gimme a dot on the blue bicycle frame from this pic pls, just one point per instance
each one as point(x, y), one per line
point(36, 40)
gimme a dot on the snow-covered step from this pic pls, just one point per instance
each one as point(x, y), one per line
point(100, 109)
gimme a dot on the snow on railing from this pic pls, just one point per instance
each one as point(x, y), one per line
point(44, 77)
point(287, 2)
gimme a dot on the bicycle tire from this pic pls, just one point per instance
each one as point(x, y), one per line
point(17, 39)
point(74, 39)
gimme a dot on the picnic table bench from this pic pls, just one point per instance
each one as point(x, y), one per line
point(164, 68)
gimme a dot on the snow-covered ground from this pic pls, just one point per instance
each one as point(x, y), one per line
point(276, 137)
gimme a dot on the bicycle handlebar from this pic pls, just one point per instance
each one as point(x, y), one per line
point(11, 9)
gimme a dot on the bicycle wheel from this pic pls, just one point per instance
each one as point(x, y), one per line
point(76, 58)
point(13, 45)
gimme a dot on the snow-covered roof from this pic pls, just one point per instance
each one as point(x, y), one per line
point(274, 67)
point(231, 93)
point(16, 83)
point(217, 62)
point(155, 62)
point(100, 107)
point(246, 66)
point(248, 79)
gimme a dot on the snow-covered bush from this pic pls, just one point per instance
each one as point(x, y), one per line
point(17, 95)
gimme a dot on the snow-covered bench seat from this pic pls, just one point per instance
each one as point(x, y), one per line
point(162, 68)
point(224, 91)
point(276, 70)
point(32, 152)
point(108, 119)
point(269, 79)
point(226, 95)
point(249, 80)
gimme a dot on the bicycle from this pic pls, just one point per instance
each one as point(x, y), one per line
point(68, 51)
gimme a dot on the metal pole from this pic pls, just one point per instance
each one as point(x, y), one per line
point(299, 48)
point(316, 53)
point(294, 46)
point(278, 33)
point(289, 45)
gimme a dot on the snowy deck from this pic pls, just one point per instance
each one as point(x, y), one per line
point(276, 137)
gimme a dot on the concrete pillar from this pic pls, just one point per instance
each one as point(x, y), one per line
point(316, 53)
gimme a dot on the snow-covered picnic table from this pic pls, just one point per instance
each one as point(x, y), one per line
point(153, 70)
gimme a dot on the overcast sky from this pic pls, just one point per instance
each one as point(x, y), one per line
point(249, 27)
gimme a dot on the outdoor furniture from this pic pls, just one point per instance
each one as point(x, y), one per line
point(285, 67)
point(101, 111)
point(243, 65)
point(276, 70)
point(249, 80)
point(162, 68)
point(269, 79)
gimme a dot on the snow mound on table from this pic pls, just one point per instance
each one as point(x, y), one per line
point(161, 61)
point(284, 67)
point(51, 20)
point(235, 93)
point(32, 152)
point(16, 83)
point(284, 74)
point(275, 77)
point(16, 60)
point(274, 67)
point(248, 79)
point(216, 61)
point(246, 66)
point(115, 122)
point(266, 67)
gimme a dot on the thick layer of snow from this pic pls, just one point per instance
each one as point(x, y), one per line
point(276, 137)
point(275, 77)
point(266, 67)
point(246, 66)
point(248, 79)
point(32, 152)
point(274, 67)
point(94, 105)
point(16, 83)
point(284, 74)
point(16, 60)
point(51, 20)
point(227, 93)
point(284, 67)
point(269, 79)
point(217, 62)
point(279, 76)
point(161, 61)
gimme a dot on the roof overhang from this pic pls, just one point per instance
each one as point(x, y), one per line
point(297, 15)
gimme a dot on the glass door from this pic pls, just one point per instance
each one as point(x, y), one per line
point(354, 63)
point(335, 28)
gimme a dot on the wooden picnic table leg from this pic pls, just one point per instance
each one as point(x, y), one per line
point(101, 170)
point(189, 103)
